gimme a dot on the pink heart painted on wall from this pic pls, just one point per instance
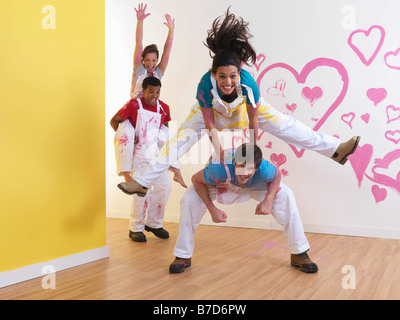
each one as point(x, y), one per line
point(384, 163)
point(393, 136)
point(367, 34)
point(392, 113)
point(392, 54)
point(377, 95)
point(360, 160)
point(278, 160)
point(301, 79)
point(312, 95)
point(260, 60)
point(348, 119)
point(380, 194)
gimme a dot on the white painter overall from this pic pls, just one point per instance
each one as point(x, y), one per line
point(147, 129)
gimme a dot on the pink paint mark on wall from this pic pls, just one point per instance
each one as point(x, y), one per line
point(360, 160)
point(380, 194)
point(301, 79)
point(312, 95)
point(393, 136)
point(278, 160)
point(348, 118)
point(394, 58)
point(377, 95)
point(372, 38)
point(392, 182)
point(392, 113)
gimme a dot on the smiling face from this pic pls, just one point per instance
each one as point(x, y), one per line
point(151, 94)
point(244, 172)
point(150, 62)
point(227, 79)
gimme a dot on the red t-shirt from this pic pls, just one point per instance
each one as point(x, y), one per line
point(130, 109)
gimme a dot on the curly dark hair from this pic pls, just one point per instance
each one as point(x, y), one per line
point(228, 42)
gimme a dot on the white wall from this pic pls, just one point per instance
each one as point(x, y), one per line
point(290, 37)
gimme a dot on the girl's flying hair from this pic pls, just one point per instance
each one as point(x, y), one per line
point(228, 42)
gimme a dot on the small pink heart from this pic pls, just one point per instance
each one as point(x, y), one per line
point(312, 95)
point(348, 118)
point(365, 117)
point(393, 55)
point(376, 95)
point(384, 164)
point(380, 194)
point(393, 136)
point(279, 89)
point(284, 172)
point(260, 59)
point(291, 107)
point(393, 113)
point(278, 160)
point(269, 145)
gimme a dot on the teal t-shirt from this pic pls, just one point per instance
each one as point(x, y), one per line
point(215, 172)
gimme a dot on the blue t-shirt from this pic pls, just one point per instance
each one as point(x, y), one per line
point(205, 97)
point(215, 172)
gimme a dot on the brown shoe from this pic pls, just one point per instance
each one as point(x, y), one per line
point(346, 149)
point(179, 265)
point(132, 188)
point(303, 262)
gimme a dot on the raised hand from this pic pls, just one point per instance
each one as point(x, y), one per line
point(170, 22)
point(141, 12)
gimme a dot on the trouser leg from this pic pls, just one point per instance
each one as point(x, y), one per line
point(192, 211)
point(160, 192)
point(286, 213)
point(294, 132)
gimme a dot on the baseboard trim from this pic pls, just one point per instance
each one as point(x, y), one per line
point(8, 278)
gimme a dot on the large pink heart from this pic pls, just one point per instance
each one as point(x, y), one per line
point(301, 79)
point(384, 164)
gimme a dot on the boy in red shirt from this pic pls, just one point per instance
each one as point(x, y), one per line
point(138, 125)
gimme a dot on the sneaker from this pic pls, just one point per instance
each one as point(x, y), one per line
point(137, 236)
point(159, 233)
point(303, 262)
point(179, 265)
point(346, 149)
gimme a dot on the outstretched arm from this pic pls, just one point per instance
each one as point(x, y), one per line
point(168, 43)
point(140, 15)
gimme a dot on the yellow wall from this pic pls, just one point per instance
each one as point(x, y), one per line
point(52, 164)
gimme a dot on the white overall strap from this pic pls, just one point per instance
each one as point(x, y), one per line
point(250, 94)
point(159, 106)
point(228, 174)
point(140, 103)
point(214, 91)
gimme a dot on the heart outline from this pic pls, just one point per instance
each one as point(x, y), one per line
point(367, 33)
point(301, 79)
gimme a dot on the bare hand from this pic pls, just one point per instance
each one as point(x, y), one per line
point(218, 215)
point(141, 13)
point(264, 208)
point(170, 22)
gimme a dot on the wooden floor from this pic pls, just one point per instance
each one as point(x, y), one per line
point(228, 264)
